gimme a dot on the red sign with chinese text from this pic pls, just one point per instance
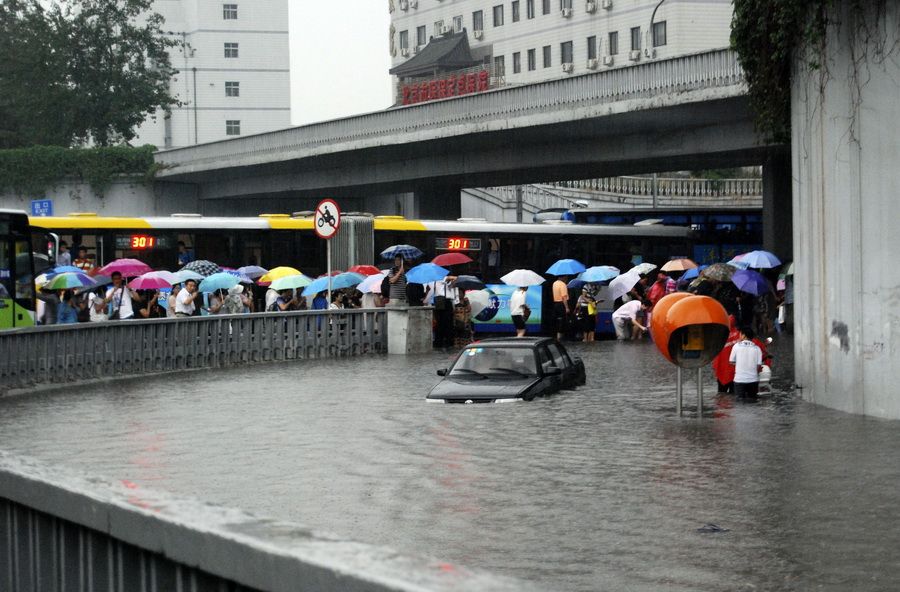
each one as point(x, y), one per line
point(454, 85)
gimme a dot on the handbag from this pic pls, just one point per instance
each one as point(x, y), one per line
point(526, 312)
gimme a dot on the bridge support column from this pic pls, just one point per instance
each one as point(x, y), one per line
point(777, 213)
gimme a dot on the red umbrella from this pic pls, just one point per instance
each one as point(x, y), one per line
point(365, 269)
point(127, 267)
point(451, 259)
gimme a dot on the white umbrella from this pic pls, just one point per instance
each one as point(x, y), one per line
point(522, 277)
point(642, 268)
point(478, 300)
point(372, 283)
point(623, 284)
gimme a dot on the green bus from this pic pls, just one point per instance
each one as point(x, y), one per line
point(17, 269)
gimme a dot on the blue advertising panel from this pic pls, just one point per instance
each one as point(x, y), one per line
point(42, 207)
point(496, 318)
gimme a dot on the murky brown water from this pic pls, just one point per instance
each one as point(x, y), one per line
point(596, 489)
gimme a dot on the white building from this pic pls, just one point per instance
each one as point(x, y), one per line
point(528, 41)
point(234, 76)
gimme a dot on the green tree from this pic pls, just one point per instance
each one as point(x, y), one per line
point(94, 70)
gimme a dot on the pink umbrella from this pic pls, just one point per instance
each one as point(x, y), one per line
point(153, 280)
point(127, 267)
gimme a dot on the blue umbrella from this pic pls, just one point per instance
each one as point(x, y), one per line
point(576, 284)
point(242, 277)
point(693, 272)
point(566, 267)
point(408, 252)
point(761, 259)
point(63, 269)
point(426, 273)
point(253, 271)
point(218, 281)
point(598, 273)
point(751, 282)
point(348, 279)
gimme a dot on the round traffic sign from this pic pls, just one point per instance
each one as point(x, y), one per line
point(327, 219)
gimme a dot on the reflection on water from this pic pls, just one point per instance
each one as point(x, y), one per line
point(599, 488)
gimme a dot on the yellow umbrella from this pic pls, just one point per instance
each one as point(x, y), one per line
point(678, 265)
point(278, 272)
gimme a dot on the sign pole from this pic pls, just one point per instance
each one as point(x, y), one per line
point(328, 265)
point(326, 222)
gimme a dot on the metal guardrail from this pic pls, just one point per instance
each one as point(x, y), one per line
point(62, 531)
point(65, 353)
point(668, 187)
point(711, 69)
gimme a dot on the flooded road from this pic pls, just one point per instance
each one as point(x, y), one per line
point(601, 488)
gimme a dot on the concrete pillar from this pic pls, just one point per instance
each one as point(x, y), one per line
point(409, 329)
point(777, 207)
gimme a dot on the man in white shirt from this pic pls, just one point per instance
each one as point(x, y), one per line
point(625, 319)
point(746, 357)
point(441, 296)
point(184, 301)
point(120, 296)
point(517, 309)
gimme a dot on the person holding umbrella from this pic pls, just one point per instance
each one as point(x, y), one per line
point(119, 297)
point(397, 281)
point(518, 310)
point(184, 301)
point(561, 305)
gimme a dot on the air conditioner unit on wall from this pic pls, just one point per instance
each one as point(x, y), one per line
point(413, 3)
point(568, 66)
point(590, 6)
point(404, 51)
point(567, 12)
point(649, 52)
point(446, 29)
point(606, 4)
point(634, 55)
point(592, 64)
point(478, 33)
point(404, 5)
point(416, 48)
point(608, 60)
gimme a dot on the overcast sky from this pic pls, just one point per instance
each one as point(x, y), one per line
point(339, 58)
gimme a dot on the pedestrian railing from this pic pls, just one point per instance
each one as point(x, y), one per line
point(65, 353)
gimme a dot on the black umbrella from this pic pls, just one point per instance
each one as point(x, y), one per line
point(468, 282)
point(203, 267)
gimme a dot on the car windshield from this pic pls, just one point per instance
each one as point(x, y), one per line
point(511, 361)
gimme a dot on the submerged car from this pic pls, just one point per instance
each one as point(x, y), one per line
point(508, 369)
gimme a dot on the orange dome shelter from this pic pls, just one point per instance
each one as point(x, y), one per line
point(689, 330)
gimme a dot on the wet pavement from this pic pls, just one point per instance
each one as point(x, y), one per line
point(601, 488)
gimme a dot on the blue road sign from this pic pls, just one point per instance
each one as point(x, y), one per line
point(42, 207)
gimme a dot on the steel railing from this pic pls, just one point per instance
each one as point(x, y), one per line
point(671, 77)
point(63, 353)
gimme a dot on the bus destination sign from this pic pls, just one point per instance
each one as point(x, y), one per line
point(457, 244)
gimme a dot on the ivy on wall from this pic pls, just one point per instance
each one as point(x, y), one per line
point(35, 169)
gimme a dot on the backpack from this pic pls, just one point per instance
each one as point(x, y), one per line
point(414, 294)
point(386, 286)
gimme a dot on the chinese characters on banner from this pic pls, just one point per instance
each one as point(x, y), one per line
point(452, 86)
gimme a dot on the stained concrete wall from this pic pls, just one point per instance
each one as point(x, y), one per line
point(124, 197)
point(846, 150)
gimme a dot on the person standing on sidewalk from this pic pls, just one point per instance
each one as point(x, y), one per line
point(560, 306)
point(747, 359)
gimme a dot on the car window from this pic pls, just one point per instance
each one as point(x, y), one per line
point(560, 359)
point(495, 360)
point(546, 360)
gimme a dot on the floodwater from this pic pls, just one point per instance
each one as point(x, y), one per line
point(601, 488)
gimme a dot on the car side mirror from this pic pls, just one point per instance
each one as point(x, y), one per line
point(442, 372)
point(552, 372)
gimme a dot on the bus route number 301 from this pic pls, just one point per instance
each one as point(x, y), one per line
point(457, 244)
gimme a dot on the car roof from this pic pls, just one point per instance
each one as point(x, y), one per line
point(511, 341)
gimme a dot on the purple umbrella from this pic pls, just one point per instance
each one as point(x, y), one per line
point(751, 282)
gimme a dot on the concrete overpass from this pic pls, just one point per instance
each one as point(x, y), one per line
point(689, 112)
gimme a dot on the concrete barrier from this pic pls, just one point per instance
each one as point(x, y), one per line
point(409, 329)
point(63, 531)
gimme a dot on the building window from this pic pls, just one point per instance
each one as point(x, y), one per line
point(438, 25)
point(229, 12)
point(517, 62)
point(457, 24)
point(420, 35)
point(232, 127)
point(404, 39)
point(659, 34)
point(529, 9)
point(613, 45)
point(478, 20)
point(515, 11)
point(498, 15)
point(635, 38)
point(592, 47)
point(499, 66)
point(565, 52)
point(545, 7)
point(232, 89)
point(547, 57)
point(565, 4)
point(532, 60)
point(231, 50)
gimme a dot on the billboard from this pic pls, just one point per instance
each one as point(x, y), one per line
point(496, 318)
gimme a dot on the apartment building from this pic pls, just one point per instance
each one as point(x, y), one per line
point(233, 71)
point(526, 41)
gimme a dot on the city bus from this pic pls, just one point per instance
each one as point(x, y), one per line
point(17, 269)
point(279, 239)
